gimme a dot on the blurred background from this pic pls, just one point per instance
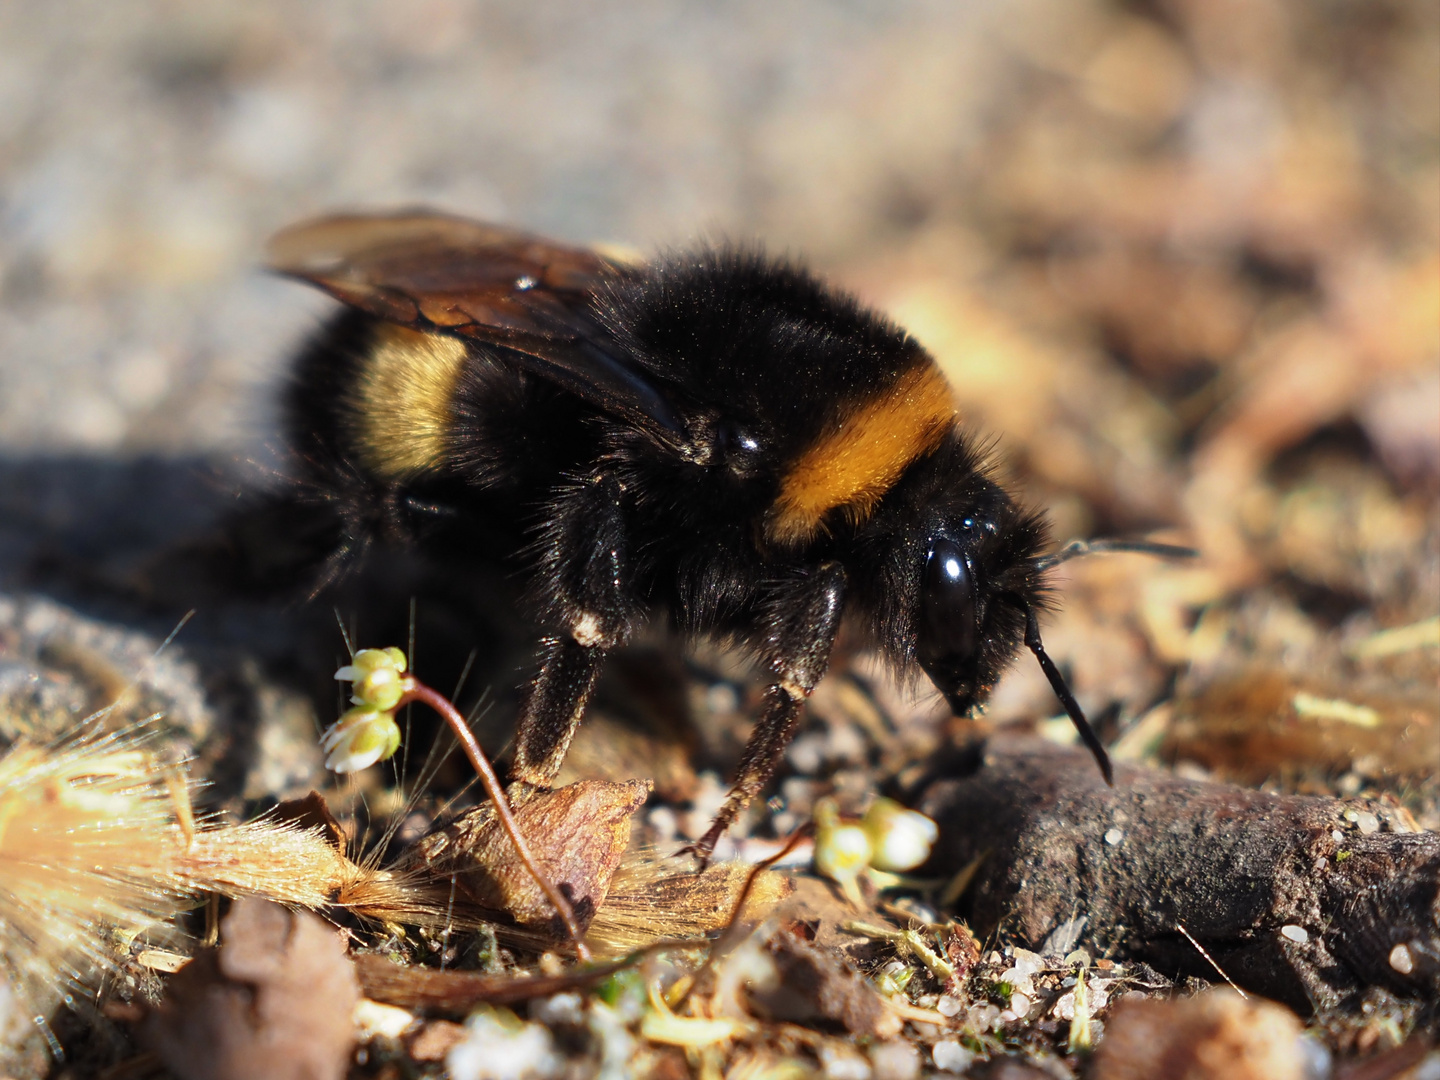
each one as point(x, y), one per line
point(1182, 258)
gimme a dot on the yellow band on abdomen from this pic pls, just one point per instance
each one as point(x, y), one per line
point(406, 392)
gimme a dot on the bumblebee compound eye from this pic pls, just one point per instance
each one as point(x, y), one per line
point(948, 630)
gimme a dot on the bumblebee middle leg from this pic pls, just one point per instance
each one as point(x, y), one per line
point(805, 615)
point(586, 581)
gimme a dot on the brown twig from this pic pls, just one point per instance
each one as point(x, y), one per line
point(460, 991)
point(418, 691)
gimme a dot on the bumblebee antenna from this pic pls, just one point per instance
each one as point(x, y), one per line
point(1057, 683)
point(1076, 548)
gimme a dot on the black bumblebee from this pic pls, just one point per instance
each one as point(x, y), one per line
point(716, 435)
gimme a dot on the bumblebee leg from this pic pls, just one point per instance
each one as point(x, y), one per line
point(799, 633)
point(587, 598)
point(554, 709)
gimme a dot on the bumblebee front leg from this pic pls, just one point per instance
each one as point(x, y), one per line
point(805, 615)
point(587, 599)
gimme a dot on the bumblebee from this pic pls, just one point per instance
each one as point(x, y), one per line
point(716, 435)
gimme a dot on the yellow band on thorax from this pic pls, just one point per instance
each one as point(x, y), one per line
point(856, 463)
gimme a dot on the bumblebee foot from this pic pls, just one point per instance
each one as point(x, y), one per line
point(703, 850)
point(519, 792)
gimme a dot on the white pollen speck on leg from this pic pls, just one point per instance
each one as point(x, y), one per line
point(586, 630)
point(1401, 960)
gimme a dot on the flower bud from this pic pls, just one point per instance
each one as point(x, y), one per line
point(359, 739)
point(842, 851)
point(900, 839)
point(381, 688)
point(367, 660)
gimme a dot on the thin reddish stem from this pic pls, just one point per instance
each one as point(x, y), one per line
point(418, 691)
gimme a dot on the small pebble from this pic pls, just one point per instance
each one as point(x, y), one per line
point(844, 1064)
point(1297, 934)
point(722, 699)
point(559, 1009)
point(1366, 822)
point(1020, 984)
point(984, 1017)
point(1114, 836)
point(373, 1019)
point(498, 1047)
point(951, 1056)
point(896, 1060)
point(948, 1005)
point(1401, 960)
point(1027, 962)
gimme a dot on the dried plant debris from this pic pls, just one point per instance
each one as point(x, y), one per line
point(86, 858)
point(276, 999)
point(578, 832)
point(1188, 274)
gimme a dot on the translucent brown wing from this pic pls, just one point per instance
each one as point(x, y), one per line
point(517, 291)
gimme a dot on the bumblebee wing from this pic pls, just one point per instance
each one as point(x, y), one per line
point(511, 289)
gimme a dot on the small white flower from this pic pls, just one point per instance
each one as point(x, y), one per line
point(900, 839)
point(378, 677)
point(359, 739)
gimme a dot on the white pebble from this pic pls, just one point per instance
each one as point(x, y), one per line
point(1027, 962)
point(373, 1019)
point(1114, 836)
point(722, 699)
point(1297, 934)
point(895, 1060)
point(844, 1064)
point(1401, 960)
point(559, 1009)
point(1366, 822)
point(948, 1005)
point(1019, 979)
point(1020, 1006)
point(497, 1047)
point(951, 1056)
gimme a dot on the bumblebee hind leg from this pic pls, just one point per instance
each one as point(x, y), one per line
point(800, 631)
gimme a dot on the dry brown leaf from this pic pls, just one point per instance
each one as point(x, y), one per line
point(1258, 724)
point(275, 1000)
point(577, 833)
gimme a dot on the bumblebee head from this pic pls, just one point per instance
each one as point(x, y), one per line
point(978, 599)
point(964, 581)
point(976, 581)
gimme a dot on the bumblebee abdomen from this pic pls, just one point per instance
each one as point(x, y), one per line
point(402, 401)
point(374, 398)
